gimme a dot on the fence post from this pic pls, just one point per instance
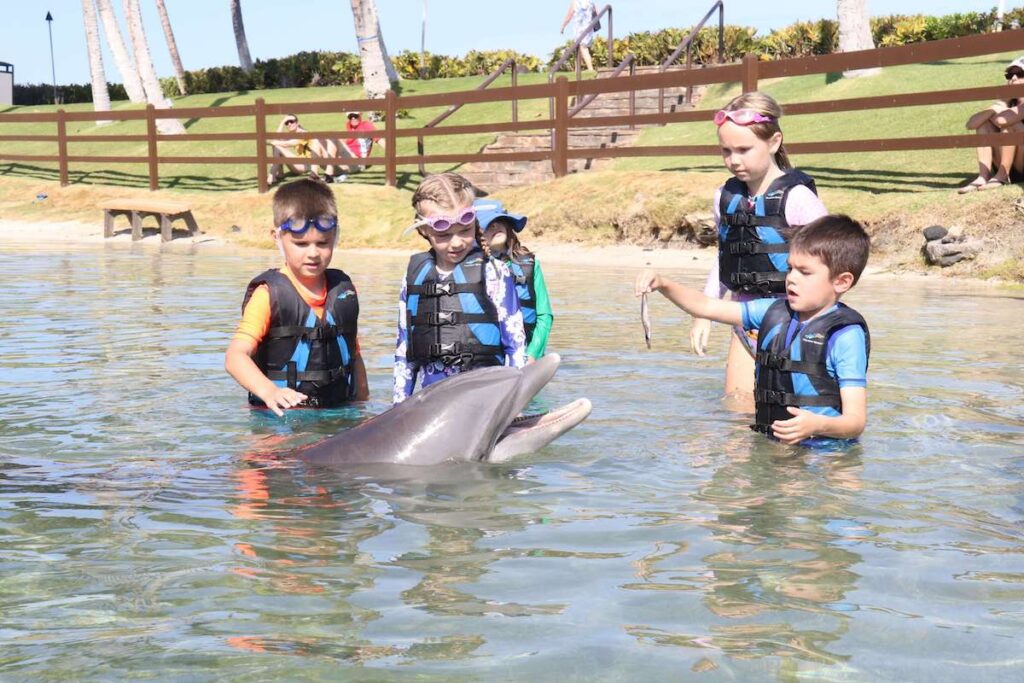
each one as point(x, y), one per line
point(154, 176)
point(62, 147)
point(390, 138)
point(560, 148)
point(261, 145)
point(515, 97)
point(750, 73)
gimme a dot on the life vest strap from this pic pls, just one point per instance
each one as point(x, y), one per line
point(293, 377)
point(440, 318)
point(744, 219)
point(457, 353)
point(773, 361)
point(746, 247)
point(443, 288)
point(320, 333)
point(782, 398)
point(755, 279)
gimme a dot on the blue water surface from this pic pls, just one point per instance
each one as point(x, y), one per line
point(152, 527)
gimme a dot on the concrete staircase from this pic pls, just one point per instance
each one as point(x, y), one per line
point(493, 176)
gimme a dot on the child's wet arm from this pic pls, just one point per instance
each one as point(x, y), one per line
point(851, 423)
point(699, 305)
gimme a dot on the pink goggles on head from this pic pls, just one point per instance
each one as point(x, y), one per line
point(742, 117)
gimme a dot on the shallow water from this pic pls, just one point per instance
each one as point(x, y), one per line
point(146, 532)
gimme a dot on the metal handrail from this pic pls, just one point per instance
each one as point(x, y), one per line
point(687, 44)
point(628, 62)
point(510, 62)
point(574, 48)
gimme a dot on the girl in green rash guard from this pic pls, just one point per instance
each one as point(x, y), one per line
point(501, 231)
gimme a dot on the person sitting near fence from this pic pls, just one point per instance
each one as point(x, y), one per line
point(356, 148)
point(997, 164)
point(581, 13)
point(297, 148)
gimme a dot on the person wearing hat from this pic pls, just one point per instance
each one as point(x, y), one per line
point(995, 164)
point(501, 232)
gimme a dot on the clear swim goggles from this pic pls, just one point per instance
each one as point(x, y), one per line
point(321, 223)
point(741, 117)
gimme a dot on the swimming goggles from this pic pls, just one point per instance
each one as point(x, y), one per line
point(444, 223)
point(322, 223)
point(741, 117)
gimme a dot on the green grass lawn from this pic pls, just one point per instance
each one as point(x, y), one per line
point(207, 177)
point(870, 172)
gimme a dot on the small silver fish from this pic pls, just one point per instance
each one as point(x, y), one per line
point(645, 318)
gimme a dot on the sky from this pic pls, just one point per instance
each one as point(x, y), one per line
point(276, 28)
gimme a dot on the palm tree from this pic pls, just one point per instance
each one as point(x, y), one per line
point(100, 92)
point(243, 45)
point(144, 60)
point(378, 71)
point(124, 62)
point(855, 31)
point(172, 46)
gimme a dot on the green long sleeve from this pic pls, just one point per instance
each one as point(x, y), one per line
point(539, 342)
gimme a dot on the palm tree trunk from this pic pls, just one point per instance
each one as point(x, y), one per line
point(100, 92)
point(144, 60)
point(172, 46)
point(378, 72)
point(855, 32)
point(243, 45)
point(124, 62)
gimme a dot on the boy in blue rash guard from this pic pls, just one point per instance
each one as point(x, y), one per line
point(812, 356)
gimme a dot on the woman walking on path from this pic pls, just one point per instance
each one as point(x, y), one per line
point(581, 13)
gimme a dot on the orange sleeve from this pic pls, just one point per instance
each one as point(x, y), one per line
point(256, 316)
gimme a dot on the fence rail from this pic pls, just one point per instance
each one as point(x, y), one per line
point(749, 73)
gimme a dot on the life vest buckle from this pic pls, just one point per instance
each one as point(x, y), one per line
point(438, 289)
point(741, 219)
point(744, 279)
point(773, 397)
point(744, 248)
point(772, 361)
point(439, 318)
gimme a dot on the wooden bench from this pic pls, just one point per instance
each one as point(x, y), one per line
point(167, 211)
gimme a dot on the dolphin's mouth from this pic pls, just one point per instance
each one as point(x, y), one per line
point(548, 419)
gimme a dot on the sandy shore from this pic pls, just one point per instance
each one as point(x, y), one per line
point(695, 260)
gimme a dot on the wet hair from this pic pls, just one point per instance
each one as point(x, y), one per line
point(515, 249)
point(840, 242)
point(764, 104)
point(448, 191)
point(303, 199)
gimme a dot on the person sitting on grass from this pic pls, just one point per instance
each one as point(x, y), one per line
point(297, 147)
point(996, 164)
point(812, 356)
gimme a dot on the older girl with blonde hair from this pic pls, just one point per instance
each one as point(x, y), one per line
point(757, 210)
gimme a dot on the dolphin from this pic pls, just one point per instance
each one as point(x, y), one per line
point(472, 416)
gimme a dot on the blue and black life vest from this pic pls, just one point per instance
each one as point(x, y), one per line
point(523, 269)
point(305, 353)
point(451, 321)
point(753, 247)
point(774, 391)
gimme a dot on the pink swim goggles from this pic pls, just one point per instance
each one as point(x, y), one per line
point(444, 223)
point(741, 117)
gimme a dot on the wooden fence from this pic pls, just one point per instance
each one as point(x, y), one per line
point(749, 73)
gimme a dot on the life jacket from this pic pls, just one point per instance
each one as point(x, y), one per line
point(775, 367)
point(522, 269)
point(305, 353)
point(753, 250)
point(452, 321)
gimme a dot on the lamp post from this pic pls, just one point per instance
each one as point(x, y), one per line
point(423, 42)
point(53, 65)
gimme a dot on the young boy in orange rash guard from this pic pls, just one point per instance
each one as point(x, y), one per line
point(296, 345)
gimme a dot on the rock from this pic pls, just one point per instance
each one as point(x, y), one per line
point(935, 232)
point(948, 251)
